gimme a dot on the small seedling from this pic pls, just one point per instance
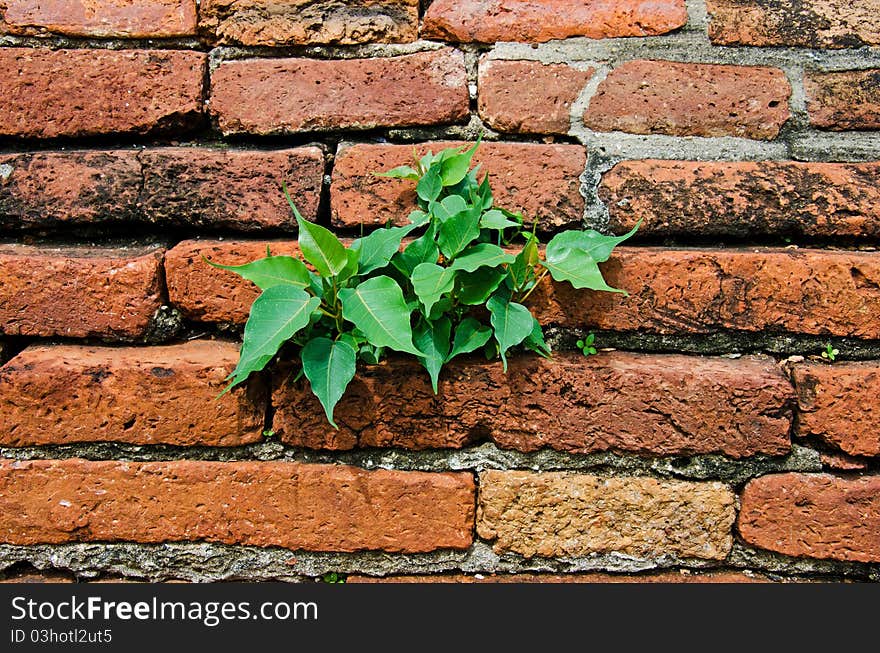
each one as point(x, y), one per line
point(333, 578)
point(586, 345)
point(830, 352)
point(268, 434)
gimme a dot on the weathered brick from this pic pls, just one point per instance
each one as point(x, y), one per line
point(844, 100)
point(690, 99)
point(638, 403)
point(528, 97)
point(662, 577)
point(236, 189)
point(807, 23)
point(744, 198)
point(562, 514)
point(487, 21)
point(38, 577)
point(276, 96)
point(541, 181)
point(140, 395)
point(842, 462)
point(840, 404)
point(304, 22)
point(79, 292)
point(52, 93)
point(813, 515)
point(292, 505)
point(129, 18)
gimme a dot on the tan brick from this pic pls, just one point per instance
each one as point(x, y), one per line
point(807, 23)
point(744, 198)
point(561, 514)
point(79, 292)
point(541, 181)
point(487, 21)
point(840, 404)
point(844, 100)
point(529, 97)
point(813, 515)
point(277, 96)
point(688, 99)
point(53, 93)
point(306, 22)
point(121, 18)
point(292, 505)
point(140, 395)
point(646, 404)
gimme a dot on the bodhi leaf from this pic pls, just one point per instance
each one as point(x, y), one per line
point(473, 288)
point(597, 246)
point(430, 282)
point(535, 340)
point(400, 172)
point(495, 219)
point(484, 255)
point(512, 323)
point(377, 249)
point(430, 186)
point(421, 250)
point(455, 167)
point(521, 268)
point(378, 309)
point(580, 270)
point(329, 366)
point(458, 232)
point(470, 335)
point(271, 271)
point(433, 340)
point(318, 245)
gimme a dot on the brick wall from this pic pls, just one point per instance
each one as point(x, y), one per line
point(707, 441)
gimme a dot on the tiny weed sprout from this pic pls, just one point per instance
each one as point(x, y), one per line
point(830, 352)
point(586, 345)
point(452, 281)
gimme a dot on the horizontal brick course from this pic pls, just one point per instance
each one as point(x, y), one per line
point(561, 514)
point(277, 96)
point(55, 93)
point(79, 292)
point(813, 515)
point(662, 577)
point(844, 100)
point(140, 395)
point(292, 505)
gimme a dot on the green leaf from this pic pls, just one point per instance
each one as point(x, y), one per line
point(580, 270)
point(430, 185)
point(454, 168)
point(377, 249)
point(419, 217)
point(321, 248)
point(482, 193)
point(495, 219)
point(400, 172)
point(473, 288)
point(271, 271)
point(535, 340)
point(598, 246)
point(470, 335)
point(276, 316)
point(377, 308)
point(430, 282)
point(484, 255)
point(433, 340)
point(421, 250)
point(458, 232)
point(521, 268)
point(512, 323)
point(448, 207)
point(329, 366)
point(351, 268)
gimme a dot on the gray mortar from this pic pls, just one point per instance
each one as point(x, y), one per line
point(745, 557)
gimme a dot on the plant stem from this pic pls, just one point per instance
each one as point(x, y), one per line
point(538, 280)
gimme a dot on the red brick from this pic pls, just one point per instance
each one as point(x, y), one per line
point(744, 198)
point(638, 403)
point(79, 292)
point(808, 23)
point(130, 18)
point(662, 577)
point(840, 404)
point(292, 505)
point(705, 290)
point(236, 189)
point(688, 99)
point(528, 97)
point(52, 93)
point(277, 96)
point(140, 395)
point(814, 516)
point(844, 100)
point(541, 181)
point(487, 21)
point(843, 463)
point(305, 22)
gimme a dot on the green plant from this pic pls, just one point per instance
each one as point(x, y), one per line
point(456, 287)
point(586, 345)
point(333, 578)
point(830, 352)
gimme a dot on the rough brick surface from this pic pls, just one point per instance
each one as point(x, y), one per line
point(647, 404)
point(840, 403)
point(300, 22)
point(235, 189)
point(704, 291)
point(79, 292)
point(275, 96)
point(844, 100)
point(742, 199)
point(541, 181)
point(51, 93)
point(528, 97)
point(292, 505)
point(125, 18)
point(662, 577)
point(487, 21)
point(688, 99)
point(556, 514)
point(813, 515)
point(807, 23)
point(140, 395)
